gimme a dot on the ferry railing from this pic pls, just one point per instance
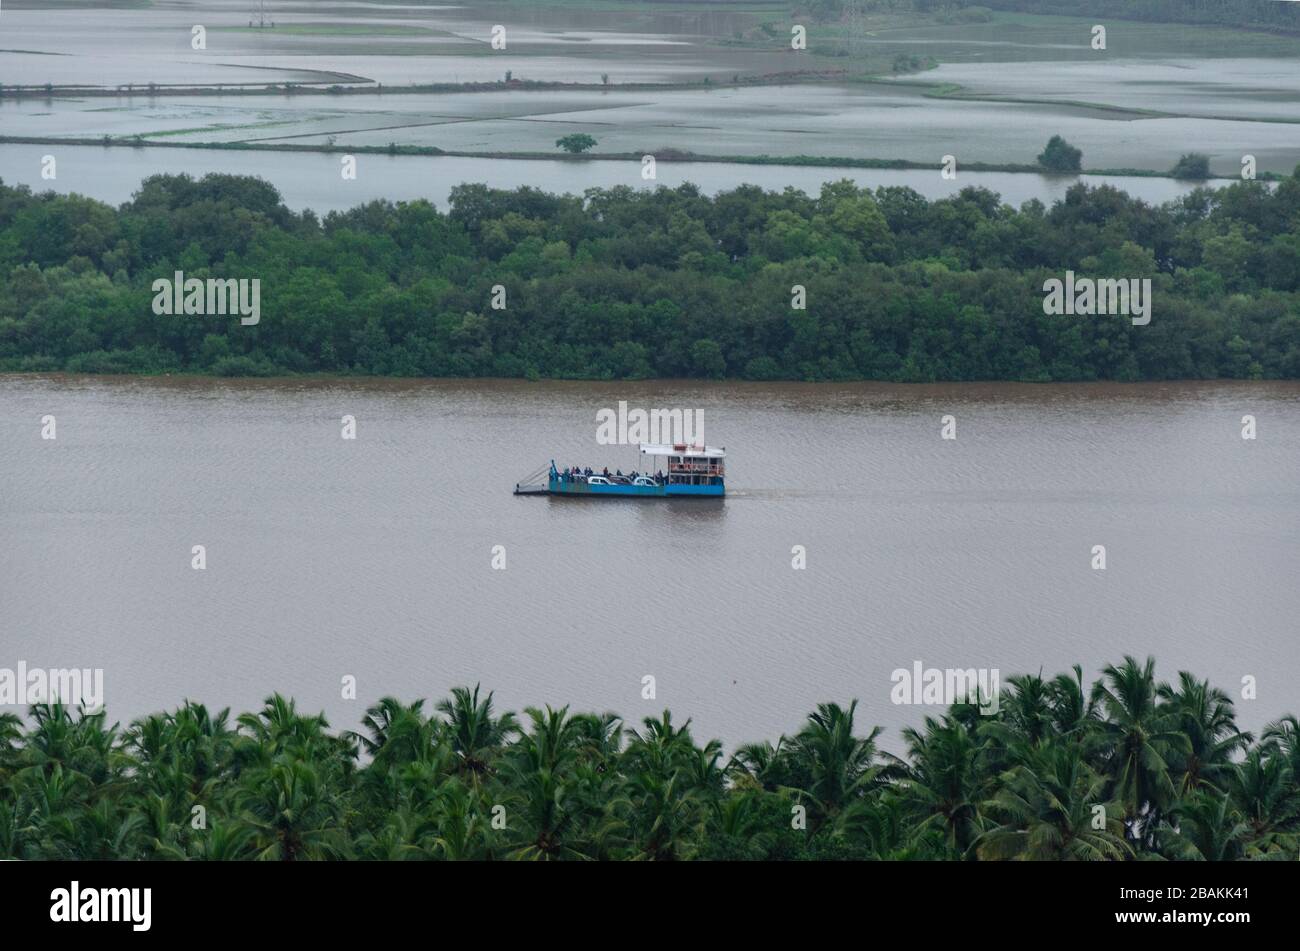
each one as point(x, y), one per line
point(535, 482)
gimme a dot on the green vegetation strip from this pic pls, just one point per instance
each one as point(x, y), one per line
point(663, 155)
point(1127, 768)
point(626, 283)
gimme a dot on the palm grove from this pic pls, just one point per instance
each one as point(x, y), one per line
point(629, 283)
point(1126, 769)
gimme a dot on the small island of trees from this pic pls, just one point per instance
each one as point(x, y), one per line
point(575, 143)
point(1193, 165)
point(1060, 156)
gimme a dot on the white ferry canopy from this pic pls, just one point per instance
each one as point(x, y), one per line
point(661, 449)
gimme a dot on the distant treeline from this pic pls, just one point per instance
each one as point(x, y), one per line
point(1273, 15)
point(629, 283)
point(1125, 769)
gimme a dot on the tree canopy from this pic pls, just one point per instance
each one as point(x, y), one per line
point(629, 283)
point(1193, 165)
point(575, 142)
point(1060, 156)
point(1125, 768)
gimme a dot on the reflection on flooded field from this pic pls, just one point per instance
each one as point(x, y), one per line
point(1157, 92)
point(877, 120)
point(360, 42)
point(311, 180)
point(1240, 88)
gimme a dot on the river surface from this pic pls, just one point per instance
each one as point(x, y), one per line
point(372, 557)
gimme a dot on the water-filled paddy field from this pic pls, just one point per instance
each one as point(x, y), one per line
point(998, 92)
point(311, 180)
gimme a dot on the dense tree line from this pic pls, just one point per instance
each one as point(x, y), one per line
point(1129, 768)
point(1269, 15)
point(1250, 14)
point(627, 283)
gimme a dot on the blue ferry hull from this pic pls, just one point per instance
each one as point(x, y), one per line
point(584, 490)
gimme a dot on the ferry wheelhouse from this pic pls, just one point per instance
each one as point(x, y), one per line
point(666, 471)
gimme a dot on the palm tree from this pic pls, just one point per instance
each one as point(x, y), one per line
point(12, 845)
point(1026, 709)
point(397, 733)
point(224, 842)
point(11, 750)
point(401, 837)
point(1205, 716)
point(1074, 715)
point(1264, 791)
point(539, 773)
point(83, 743)
point(108, 832)
point(11, 734)
point(459, 827)
point(49, 806)
point(1139, 738)
point(292, 815)
point(765, 764)
point(1282, 738)
point(477, 737)
point(739, 826)
point(1047, 807)
point(887, 829)
point(837, 769)
point(658, 813)
point(705, 771)
point(182, 754)
point(278, 727)
point(1207, 828)
point(659, 803)
point(660, 747)
point(599, 737)
point(942, 784)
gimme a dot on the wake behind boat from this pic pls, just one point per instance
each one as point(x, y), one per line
point(674, 470)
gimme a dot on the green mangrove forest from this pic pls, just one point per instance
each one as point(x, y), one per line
point(625, 283)
point(1122, 769)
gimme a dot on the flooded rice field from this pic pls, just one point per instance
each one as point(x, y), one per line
point(311, 180)
point(1156, 92)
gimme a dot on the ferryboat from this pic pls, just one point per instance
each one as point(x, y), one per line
point(673, 470)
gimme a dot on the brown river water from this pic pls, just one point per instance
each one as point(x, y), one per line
point(373, 558)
